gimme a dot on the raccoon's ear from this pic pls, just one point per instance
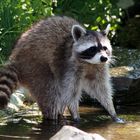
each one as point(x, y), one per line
point(77, 31)
point(106, 31)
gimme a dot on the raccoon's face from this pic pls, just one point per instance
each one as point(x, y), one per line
point(91, 46)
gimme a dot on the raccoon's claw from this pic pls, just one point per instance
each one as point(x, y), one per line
point(76, 120)
point(119, 120)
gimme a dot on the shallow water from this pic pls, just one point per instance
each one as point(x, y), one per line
point(93, 120)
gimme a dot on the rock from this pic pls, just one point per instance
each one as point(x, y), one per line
point(16, 101)
point(72, 133)
point(126, 81)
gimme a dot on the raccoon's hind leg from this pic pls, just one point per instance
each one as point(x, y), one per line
point(49, 107)
point(47, 97)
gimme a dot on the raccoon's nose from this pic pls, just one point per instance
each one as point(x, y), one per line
point(103, 59)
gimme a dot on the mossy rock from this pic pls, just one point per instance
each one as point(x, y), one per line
point(129, 35)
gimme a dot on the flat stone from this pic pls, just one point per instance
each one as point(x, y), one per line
point(73, 133)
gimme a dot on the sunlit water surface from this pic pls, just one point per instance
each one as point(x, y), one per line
point(93, 120)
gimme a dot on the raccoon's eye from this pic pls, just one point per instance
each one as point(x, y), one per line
point(104, 48)
point(93, 48)
point(89, 53)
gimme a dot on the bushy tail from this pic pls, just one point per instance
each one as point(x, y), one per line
point(8, 83)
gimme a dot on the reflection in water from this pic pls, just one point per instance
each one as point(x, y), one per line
point(45, 130)
point(92, 120)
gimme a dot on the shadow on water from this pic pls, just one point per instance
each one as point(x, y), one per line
point(93, 120)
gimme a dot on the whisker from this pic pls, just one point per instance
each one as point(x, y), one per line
point(115, 57)
point(113, 60)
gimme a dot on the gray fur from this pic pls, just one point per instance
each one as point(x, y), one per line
point(47, 63)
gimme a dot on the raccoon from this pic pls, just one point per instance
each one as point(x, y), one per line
point(57, 59)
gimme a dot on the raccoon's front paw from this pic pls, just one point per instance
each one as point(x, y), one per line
point(119, 120)
point(77, 119)
point(3, 100)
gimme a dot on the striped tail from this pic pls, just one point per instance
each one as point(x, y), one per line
point(8, 83)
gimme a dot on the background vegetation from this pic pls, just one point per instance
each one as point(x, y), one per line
point(17, 15)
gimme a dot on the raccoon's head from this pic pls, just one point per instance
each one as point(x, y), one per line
point(91, 46)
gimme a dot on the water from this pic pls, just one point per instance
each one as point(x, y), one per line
point(93, 120)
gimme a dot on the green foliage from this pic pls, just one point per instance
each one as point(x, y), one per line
point(94, 14)
point(16, 16)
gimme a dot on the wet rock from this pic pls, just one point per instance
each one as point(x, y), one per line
point(126, 83)
point(72, 133)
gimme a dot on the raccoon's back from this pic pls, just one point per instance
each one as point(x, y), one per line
point(48, 32)
point(47, 43)
point(45, 37)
